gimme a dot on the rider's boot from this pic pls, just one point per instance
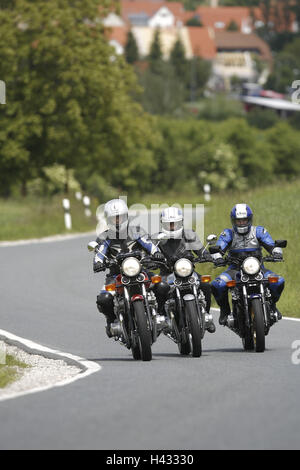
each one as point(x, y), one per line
point(211, 326)
point(224, 312)
point(105, 307)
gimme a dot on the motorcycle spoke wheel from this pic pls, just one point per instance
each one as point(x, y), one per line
point(144, 334)
point(194, 329)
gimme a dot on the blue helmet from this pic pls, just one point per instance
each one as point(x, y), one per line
point(241, 218)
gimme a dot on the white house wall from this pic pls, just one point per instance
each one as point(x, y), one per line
point(163, 18)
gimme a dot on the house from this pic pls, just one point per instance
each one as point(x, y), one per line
point(202, 42)
point(118, 38)
point(236, 54)
point(155, 14)
point(144, 37)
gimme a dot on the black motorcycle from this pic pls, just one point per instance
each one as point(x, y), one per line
point(186, 319)
point(253, 312)
point(134, 302)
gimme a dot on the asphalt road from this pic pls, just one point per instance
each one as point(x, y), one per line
point(228, 399)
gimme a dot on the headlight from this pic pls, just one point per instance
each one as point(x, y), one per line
point(251, 266)
point(131, 267)
point(183, 267)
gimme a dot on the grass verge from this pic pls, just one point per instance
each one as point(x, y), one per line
point(10, 371)
point(277, 208)
point(35, 218)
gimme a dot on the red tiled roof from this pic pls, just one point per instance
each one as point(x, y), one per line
point(226, 40)
point(281, 19)
point(203, 43)
point(210, 16)
point(118, 34)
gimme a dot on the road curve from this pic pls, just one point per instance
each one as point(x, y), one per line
point(228, 399)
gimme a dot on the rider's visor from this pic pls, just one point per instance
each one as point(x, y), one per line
point(241, 222)
point(117, 220)
point(172, 226)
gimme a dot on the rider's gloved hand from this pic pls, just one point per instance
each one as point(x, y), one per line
point(277, 253)
point(219, 262)
point(158, 256)
point(98, 267)
point(207, 256)
point(189, 255)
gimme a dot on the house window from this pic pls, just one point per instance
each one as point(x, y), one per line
point(219, 25)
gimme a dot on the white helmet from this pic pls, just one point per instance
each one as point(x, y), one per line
point(172, 222)
point(116, 215)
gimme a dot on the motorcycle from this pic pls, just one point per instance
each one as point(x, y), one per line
point(186, 318)
point(252, 311)
point(135, 304)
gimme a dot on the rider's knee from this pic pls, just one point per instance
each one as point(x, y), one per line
point(105, 301)
point(162, 289)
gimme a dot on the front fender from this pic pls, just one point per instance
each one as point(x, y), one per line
point(137, 297)
point(188, 297)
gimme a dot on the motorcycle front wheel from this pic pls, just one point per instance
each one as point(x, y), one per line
point(143, 349)
point(195, 331)
point(257, 315)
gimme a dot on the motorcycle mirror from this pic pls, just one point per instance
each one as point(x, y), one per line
point(281, 243)
point(211, 239)
point(161, 236)
point(92, 246)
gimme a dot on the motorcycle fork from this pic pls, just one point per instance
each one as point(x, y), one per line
point(180, 310)
point(128, 309)
point(264, 305)
point(145, 295)
point(200, 313)
point(246, 307)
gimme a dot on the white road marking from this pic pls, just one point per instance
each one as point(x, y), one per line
point(53, 239)
point(87, 367)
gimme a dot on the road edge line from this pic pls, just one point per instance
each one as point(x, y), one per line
point(50, 239)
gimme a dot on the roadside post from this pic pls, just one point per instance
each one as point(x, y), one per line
point(2, 353)
point(68, 218)
point(207, 192)
point(87, 202)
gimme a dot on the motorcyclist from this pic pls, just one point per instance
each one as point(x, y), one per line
point(242, 240)
point(121, 237)
point(179, 243)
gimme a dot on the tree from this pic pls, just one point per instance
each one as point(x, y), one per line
point(178, 60)
point(131, 49)
point(194, 21)
point(68, 97)
point(155, 55)
point(287, 67)
point(233, 26)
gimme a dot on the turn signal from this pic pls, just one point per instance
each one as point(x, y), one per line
point(110, 287)
point(205, 278)
point(231, 283)
point(273, 279)
point(156, 279)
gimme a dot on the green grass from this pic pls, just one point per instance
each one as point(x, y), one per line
point(275, 207)
point(9, 372)
point(30, 218)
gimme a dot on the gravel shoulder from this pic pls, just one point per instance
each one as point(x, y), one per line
point(41, 373)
